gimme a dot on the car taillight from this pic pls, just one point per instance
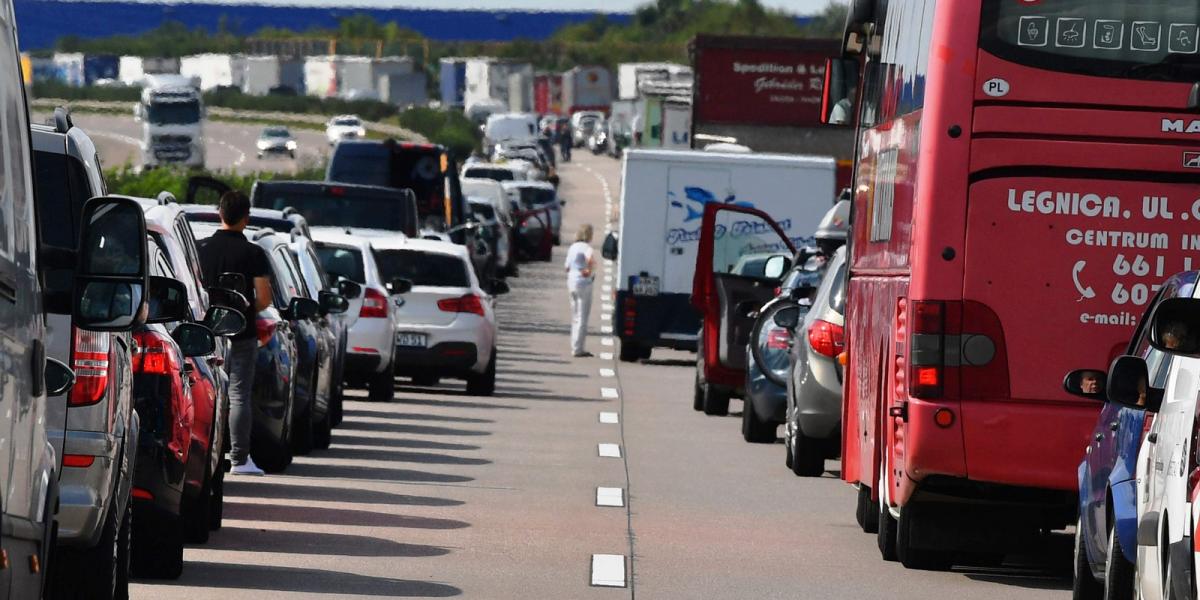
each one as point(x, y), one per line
point(374, 305)
point(779, 339)
point(826, 339)
point(89, 359)
point(264, 330)
point(465, 304)
point(155, 355)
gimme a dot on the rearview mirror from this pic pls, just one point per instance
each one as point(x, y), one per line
point(349, 289)
point(194, 339)
point(776, 266)
point(228, 298)
point(302, 308)
point(168, 301)
point(1086, 383)
point(787, 318)
point(1129, 384)
point(841, 84)
point(1175, 327)
point(400, 285)
point(334, 304)
point(609, 248)
point(224, 321)
point(59, 378)
point(232, 281)
point(110, 276)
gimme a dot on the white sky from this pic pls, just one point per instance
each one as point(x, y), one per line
point(800, 7)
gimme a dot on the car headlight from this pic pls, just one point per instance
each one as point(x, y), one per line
point(361, 132)
point(291, 144)
point(262, 144)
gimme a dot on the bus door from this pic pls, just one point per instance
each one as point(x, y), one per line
point(742, 258)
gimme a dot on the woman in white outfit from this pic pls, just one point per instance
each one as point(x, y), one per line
point(580, 266)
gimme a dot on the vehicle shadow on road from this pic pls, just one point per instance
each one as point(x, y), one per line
point(388, 455)
point(343, 493)
point(393, 416)
point(668, 362)
point(253, 539)
point(408, 428)
point(383, 474)
point(308, 581)
point(359, 440)
point(422, 399)
point(246, 511)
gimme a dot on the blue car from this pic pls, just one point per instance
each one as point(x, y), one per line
point(1106, 534)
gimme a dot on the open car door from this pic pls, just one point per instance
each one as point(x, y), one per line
point(205, 190)
point(742, 258)
point(534, 238)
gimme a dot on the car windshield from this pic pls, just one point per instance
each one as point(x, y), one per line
point(341, 261)
point(535, 196)
point(173, 113)
point(385, 212)
point(347, 122)
point(426, 269)
point(276, 133)
point(493, 173)
point(483, 211)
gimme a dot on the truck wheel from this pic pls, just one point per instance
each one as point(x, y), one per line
point(157, 546)
point(917, 558)
point(483, 384)
point(1118, 572)
point(886, 535)
point(630, 351)
point(808, 455)
point(382, 387)
point(865, 512)
point(716, 400)
point(755, 430)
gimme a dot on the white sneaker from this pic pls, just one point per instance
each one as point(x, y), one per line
point(247, 468)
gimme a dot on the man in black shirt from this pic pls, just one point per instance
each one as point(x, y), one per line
point(228, 251)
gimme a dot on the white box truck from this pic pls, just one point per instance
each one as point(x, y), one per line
point(663, 195)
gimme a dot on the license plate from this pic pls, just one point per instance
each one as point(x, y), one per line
point(411, 340)
point(645, 286)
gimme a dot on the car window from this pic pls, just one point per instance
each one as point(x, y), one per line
point(532, 196)
point(341, 261)
point(743, 238)
point(292, 280)
point(322, 276)
point(837, 299)
point(62, 190)
point(187, 241)
point(423, 268)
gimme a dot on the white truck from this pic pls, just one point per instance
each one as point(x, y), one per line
point(171, 111)
point(664, 193)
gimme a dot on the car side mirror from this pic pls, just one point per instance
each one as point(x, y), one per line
point(194, 339)
point(111, 273)
point(302, 308)
point(609, 248)
point(168, 301)
point(1129, 385)
point(59, 378)
point(224, 321)
point(776, 266)
point(228, 298)
point(232, 281)
point(349, 289)
point(1175, 327)
point(400, 285)
point(787, 318)
point(333, 303)
point(500, 287)
point(1086, 383)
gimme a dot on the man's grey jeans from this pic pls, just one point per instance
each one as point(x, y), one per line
point(239, 364)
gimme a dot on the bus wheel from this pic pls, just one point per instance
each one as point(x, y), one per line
point(917, 558)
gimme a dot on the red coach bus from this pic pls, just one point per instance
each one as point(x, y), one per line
point(1026, 175)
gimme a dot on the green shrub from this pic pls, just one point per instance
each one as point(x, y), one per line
point(125, 180)
point(448, 128)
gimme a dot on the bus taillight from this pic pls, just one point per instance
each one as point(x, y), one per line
point(927, 348)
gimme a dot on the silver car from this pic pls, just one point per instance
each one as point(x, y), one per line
point(814, 389)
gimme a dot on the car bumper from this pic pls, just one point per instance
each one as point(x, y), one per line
point(369, 338)
point(81, 503)
point(466, 344)
point(818, 397)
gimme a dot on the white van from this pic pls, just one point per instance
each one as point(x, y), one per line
point(507, 128)
point(664, 193)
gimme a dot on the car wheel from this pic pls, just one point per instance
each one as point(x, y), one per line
point(630, 351)
point(716, 400)
point(1084, 586)
point(121, 590)
point(196, 511)
point(483, 384)
point(754, 429)
point(157, 546)
point(557, 240)
point(292, 154)
point(302, 425)
point(323, 432)
point(1118, 571)
point(382, 387)
point(917, 558)
point(216, 512)
point(865, 512)
point(808, 455)
point(93, 571)
point(272, 458)
point(426, 380)
point(698, 394)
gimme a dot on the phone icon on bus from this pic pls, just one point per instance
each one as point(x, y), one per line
point(1108, 35)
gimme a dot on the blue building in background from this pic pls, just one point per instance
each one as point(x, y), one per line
point(41, 22)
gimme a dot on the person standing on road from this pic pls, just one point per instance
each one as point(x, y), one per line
point(580, 266)
point(228, 251)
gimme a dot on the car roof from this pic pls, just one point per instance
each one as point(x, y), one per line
point(529, 183)
point(47, 138)
point(338, 236)
point(326, 186)
point(421, 245)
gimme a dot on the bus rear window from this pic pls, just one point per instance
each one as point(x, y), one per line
point(1157, 41)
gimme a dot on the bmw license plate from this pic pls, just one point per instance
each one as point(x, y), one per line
point(411, 340)
point(645, 286)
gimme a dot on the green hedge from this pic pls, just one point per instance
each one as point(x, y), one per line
point(125, 180)
point(448, 128)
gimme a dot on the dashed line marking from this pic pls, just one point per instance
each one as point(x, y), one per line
point(609, 450)
point(610, 418)
point(606, 288)
point(607, 342)
point(607, 306)
point(608, 373)
point(608, 570)
point(605, 316)
point(610, 496)
point(606, 356)
point(606, 329)
point(610, 393)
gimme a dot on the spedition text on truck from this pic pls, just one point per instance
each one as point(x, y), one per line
point(663, 197)
point(1025, 180)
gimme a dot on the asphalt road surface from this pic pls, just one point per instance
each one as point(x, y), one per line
point(230, 146)
point(439, 494)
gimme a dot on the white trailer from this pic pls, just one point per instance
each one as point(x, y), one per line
point(587, 88)
point(321, 76)
point(663, 195)
point(487, 80)
point(630, 76)
point(132, 70)
point(261, 74)
point(214, 70)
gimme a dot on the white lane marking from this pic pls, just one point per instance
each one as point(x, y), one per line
point(241, 156)
point(610, 418)
point(606, 342)
point(610, 496)
point(124, 139)
point(606, 306)
point(606, 288)
point(608, 570)
point(606, 329)
point(609, 450)
point(608, 373)
point(609, 393)
point(608, 278)
point(606, 356)
point(608, 262)
point(605, 316)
